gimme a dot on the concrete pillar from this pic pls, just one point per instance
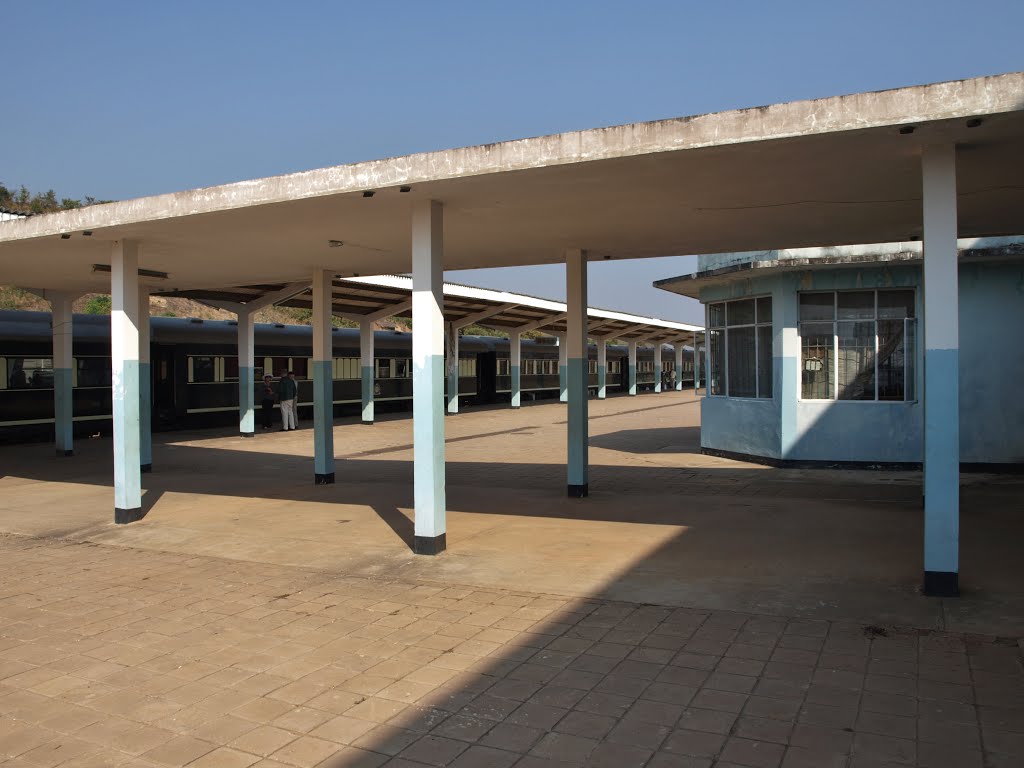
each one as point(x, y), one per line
point(515, 365)
point(428, 376)
point(679, 366)
point(367, 367)
point(786, 359)
point(246, 373)
point(576, 369)
point(323, 378)
point(452, 364)
point(602, 369)
point(145, 385)
point(124, 353)
point(941, 373)
point(657, 367)
point(696, 363)
point(63, 376)
point(563, 393)
point(632, 367)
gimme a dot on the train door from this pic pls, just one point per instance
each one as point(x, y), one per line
point(164, 412)
point(486, 376)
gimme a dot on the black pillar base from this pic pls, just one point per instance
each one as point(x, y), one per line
point(62, 453)
point(327, 479)
point(368, 422)
point(942, 583)
point(146, 468)
point(247, 434)
point(124, 516)
point(579, 491)
point(429, 545)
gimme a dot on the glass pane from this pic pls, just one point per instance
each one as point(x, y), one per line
point(94, 372)
point(202, 369)
point(740, 312)
point(29, 373)
point(892, 353)
point(764, 309)
point(817, 306)
point(910, 332)
point(716, 359)
point(816, 361)
point(742, 362)
point(895, 305)
point(856, 369)
point(716, 315)
point(401, 369)
point(280, 367)
point(856, 305)
point(764, 360)
point(231, 368)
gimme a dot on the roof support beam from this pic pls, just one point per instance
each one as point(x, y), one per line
point(537, 324)
point(483, 315)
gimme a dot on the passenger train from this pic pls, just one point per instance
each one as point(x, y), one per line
point(194, 367)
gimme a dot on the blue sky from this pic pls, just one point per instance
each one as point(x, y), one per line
point(120, 100)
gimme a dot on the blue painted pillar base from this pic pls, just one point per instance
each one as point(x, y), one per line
point(579, 491)
point(323, 423)
point(324, 479)
point(62, 453)
point(125, 516)
point(941, 584)
point(430, 545)
point(367, 394)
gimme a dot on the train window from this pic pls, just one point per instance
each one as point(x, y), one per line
point(93, 371)
point(279, 366)
point(346, 368)
point(592, 367)
point(504, 367)
point(202, 369)
point(231, 368)
point(29, 373)
point(383, 368)
point(300, 366)
point(403, 368)
point(467, 367)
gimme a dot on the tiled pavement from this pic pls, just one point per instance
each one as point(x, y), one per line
point(114, 656)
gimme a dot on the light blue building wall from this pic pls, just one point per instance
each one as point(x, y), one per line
point(787, 428)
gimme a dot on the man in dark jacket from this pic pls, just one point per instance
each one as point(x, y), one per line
point(287, 393)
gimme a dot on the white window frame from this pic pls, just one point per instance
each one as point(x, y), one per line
point(724, 330)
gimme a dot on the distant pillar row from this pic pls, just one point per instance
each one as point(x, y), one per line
point(428, 377)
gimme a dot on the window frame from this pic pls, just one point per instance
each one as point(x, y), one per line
point(722, 330)
point(910, 363)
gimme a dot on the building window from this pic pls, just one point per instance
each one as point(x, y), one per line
point(857, 345)
point(503, 367)
point(740, 348)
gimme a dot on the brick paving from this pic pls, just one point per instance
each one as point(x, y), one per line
point(116, 656)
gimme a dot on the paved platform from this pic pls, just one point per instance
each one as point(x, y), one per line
point(694, 611)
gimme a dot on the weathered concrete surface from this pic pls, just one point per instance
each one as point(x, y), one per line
point(663, 525)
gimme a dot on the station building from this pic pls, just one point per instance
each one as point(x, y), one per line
point(815, 356)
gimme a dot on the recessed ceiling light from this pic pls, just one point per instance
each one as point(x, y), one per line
point(405, 189)
point(906, 130)
point(368, 193)
point(65, 236)
point(974, 122)
point(87, 233)
point(335, 243)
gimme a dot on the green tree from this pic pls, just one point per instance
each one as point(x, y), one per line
point(98, 305)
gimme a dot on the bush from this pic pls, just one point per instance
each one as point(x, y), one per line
point(98, 305)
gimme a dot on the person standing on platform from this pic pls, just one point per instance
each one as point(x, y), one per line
point(287, 392)
point(267, 401)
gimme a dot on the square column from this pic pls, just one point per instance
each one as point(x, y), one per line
point(657, 366)
point(428, 376)
point(366, 367)
point(602, 369)
point(515, 365)
point(63, 377)
point(679, 366)
point(452, 363)
point(577, 369)
point(246, 373)
point(323, 378)
point(145, 385)
point(632, 368)
point(563, 360)
point(941, 374)
point(124, 354)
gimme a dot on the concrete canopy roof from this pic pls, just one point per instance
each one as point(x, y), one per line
point(828, 171)
point(388, 296)
point(743, 266)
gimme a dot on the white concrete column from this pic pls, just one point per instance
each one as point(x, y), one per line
point(63, 375)
point(515, 346)
point(632, 367)
point(657, 366)
point(124, 353)
point(452, 364)
point(696, 364)
point(323, 378)
point(563, 360)
point(602, 369)
point(368, 370)
point(145, 385)
point(679, 366)
point(428, 376)
point(246, 373)
point(941, 373)
point(577, 370)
